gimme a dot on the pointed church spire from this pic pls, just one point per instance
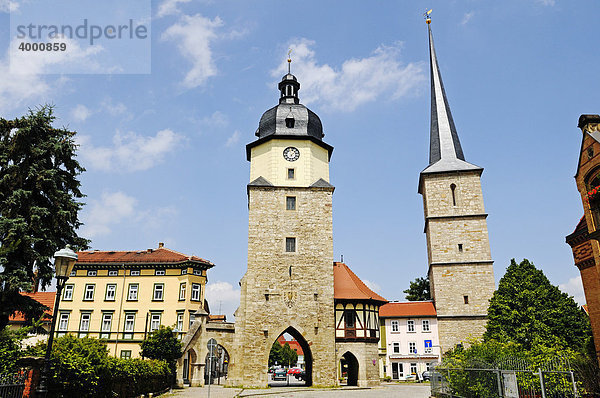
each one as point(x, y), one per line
point(445, 151)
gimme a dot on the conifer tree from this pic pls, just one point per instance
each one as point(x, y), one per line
point(418, 290)
point(38, 206)
point(528, 310)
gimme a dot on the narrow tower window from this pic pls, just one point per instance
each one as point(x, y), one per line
point(289, 122)
point(290, 245)
point(290, 203)
point(466, 298)
point(453, 189)
point(291, 174)
point(460, 247)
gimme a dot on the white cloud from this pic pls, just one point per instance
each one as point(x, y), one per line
point(39, 62)
point(194, 35)
point(80, 113)
point(130, 151)
point(169, 7)
point(217, 119)
point(574, 287)
point(118, 208)
point(8, 6)
point(233, 139)
point(115, 109)
point(467, 17)
point(112, 208)
point(372, 285)
point(23, 84)
point(224, 295)
point(356, 82)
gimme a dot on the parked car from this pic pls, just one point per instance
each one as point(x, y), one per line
point(280, 374)
point(427, 375)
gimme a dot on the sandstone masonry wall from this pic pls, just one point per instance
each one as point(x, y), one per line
point(281, 289)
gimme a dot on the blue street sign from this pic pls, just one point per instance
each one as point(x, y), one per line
point(428, 344)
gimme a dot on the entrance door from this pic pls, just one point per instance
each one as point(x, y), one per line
point(397, 370)
point(186, 368)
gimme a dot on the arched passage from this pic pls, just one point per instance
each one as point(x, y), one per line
point(215, 370)
point(189, 358)
point(349, 366)
point(305, 361)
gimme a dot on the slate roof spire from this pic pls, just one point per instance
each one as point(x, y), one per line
point(445, 151)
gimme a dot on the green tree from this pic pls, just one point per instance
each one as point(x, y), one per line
point(275, 355)
point(418, 290)
point(10, 348)
point(79, 367)
point(289, 356)
point(162, 344)
point(38, 206)
point(528, 310)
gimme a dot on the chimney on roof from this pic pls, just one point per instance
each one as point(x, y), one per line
point(149, 250)
point(161, 245)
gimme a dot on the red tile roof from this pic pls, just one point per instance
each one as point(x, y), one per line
point(294, 344)
point(44, 298)
point(407, 309)
point(346, 285)
point(160, 255)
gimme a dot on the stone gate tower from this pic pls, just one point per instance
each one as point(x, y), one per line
point(460, 263)
point(288, 286)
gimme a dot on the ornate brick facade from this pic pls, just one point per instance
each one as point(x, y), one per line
point(584, 240)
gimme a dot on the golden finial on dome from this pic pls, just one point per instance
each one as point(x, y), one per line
point(289, 60)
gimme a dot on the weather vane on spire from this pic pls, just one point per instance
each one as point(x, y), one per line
point(289, 60)
point(427, 17)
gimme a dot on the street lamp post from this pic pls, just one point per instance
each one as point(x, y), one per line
point(64, 260)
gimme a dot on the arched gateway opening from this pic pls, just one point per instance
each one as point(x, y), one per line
point(216, 368)
point(349, 369)
point(290, 370)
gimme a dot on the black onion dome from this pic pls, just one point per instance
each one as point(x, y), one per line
point(290, 117)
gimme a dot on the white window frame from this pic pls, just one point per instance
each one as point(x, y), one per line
point(395, 326)
point(89, 291)
point(132, 292)
point(129, 326)
point(412, 347)
point(425, 326)
point(192, 319)
point(184, 271)
point(160, 272)
point(410, 326)
point(106, 325)
point(73, 273)
point(134, 272)
point(113, 273)
point(84, 323)
point(154, 321)
point(63, 323)
point(180, 316)
point(413, 368)
point(182, 290)
point(68, 292)
point(198, 272)
point(92, 272)
point(196, 292)
point(396, 348)
point(111, 288)
point(158, 292)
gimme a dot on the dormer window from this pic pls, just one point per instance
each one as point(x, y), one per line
point(289, 122)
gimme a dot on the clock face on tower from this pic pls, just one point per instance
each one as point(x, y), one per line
point(291, 154)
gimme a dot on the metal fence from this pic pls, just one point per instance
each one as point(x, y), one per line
point(12, 385)
point(508, 378)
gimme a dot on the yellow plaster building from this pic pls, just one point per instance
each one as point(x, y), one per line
point(122, 296)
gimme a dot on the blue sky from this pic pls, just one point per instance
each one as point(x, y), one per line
point(165, 151)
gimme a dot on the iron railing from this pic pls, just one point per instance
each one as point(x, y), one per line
point(12, 385)
point(507, 378)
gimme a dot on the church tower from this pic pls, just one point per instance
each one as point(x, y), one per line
point(288, 286)
point(460, 263)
